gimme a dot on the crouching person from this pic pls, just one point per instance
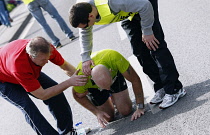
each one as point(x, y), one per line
point(21, 62)
point(108, 78)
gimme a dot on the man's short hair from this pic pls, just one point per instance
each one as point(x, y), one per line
point(79, 13)
point(38, 45)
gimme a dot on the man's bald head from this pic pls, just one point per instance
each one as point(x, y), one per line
point(101, 76)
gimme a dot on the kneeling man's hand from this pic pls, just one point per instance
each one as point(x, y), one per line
point(137, 114)
point(102, 118)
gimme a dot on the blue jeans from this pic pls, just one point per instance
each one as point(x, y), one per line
point(58, 107)
point(4, 18)
point(36, 11)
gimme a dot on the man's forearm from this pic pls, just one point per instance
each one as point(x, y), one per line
point(147, 19)
point(85, 56)
point(133, 77)
point(85, 102)
point(137, 87)
point(86, 39)
point(138, 91)
point(68, 68)
point(50, 92)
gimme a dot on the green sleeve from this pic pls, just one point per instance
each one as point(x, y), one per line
point(121, 63)
point(79, 89)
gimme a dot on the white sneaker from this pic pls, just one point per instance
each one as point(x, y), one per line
point(158, 96)
point(169, 100)
point(81, 131)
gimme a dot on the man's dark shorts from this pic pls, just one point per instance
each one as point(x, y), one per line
point(99, 97)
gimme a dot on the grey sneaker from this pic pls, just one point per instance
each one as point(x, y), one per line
point(169, 100)
point(158, 96)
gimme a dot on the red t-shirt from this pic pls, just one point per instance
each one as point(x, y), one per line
point(17, 67)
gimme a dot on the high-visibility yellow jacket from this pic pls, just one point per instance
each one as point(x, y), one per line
point(107, 16)
point(27, 1)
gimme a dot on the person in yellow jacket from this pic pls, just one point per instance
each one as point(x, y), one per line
point(35, 7)
point(141, 23)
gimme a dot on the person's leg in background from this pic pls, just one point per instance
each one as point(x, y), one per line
point(55, 15)
point(5, 6)
point(3, 15)
point(36, 12)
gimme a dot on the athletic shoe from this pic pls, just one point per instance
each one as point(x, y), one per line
point(158, 98)
point(73, 132)
point(10, 19)
point(169, 100)
point(72, 38)
point(58, 45)
point(81, 131)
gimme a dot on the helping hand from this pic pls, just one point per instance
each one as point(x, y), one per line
point(78, 80)
point(86, 67)
point(150, 41)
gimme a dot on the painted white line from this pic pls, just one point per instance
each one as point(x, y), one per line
point(147, 84)
point(27, 28)
point(122, 33)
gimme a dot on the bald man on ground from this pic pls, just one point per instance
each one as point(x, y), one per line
point(108, 80)
point(102, 77)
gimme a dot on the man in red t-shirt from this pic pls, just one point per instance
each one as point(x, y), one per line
point(21, 62)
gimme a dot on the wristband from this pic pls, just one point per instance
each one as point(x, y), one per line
point(140, 106)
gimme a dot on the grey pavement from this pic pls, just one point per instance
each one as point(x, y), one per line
point(21, 18)
point(187, 32)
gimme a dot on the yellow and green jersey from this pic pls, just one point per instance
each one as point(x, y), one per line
point(112, 59)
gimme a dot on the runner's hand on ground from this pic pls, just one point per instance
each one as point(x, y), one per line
point(137, 114)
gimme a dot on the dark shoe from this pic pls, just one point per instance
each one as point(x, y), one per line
point(10, 19)
point(81, 131)
point(73, 38)
point(58, 46)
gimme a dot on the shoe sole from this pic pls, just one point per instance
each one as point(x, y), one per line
point(183, 94)
point(180, 96)
point(59, 47)
point(73, 39)
point(156, 102)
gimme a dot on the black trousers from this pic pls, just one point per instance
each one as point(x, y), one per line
point(58, 107)
point(158, 65)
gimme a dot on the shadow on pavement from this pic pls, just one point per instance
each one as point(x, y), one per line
point(21, 28)
point(148, 120)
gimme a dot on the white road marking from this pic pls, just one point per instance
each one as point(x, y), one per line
point(121, 31)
